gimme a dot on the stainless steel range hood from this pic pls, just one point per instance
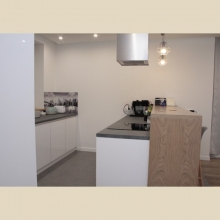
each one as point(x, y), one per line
point(132, 49)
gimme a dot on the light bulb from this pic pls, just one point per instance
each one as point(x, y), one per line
point(60, 38)
point(95, 35)
point(162, 62)
point(163, 51)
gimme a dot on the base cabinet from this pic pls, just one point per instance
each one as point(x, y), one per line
point(71, 132)
point(121, 162)
point(58, 139)
point(54, 140)
point(43, 145)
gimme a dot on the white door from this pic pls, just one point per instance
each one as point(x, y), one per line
point(71, 133)
point(43, 145)
point(57, 139)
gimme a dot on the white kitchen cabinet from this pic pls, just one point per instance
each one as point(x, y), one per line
point(71, 133)
point(58, 141)
point(55, 140)
point(43, 145)
point(121, 162)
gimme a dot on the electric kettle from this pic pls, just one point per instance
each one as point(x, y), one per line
point(51, 110)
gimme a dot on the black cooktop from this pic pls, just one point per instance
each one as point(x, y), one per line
point(130, 126)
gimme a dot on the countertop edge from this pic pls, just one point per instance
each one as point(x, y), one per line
point(123, 137)
point(125, 134)
point(47, 120)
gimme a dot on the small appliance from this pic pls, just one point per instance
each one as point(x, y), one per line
point(60, 109)
point(51, 110)
point(160, 102)
point(139, 107)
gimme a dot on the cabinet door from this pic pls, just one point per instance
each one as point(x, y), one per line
point(43, 145)
point(57, 139)
point(71, 133)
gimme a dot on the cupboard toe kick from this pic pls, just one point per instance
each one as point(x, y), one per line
point(54, 140)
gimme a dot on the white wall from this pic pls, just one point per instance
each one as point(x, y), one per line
point(49, 63)
point(39, 75)
point(105, 87)
point(17, 127)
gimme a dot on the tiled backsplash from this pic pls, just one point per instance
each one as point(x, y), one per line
point(61, 98)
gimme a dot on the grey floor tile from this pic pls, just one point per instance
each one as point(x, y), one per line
point(77, 169)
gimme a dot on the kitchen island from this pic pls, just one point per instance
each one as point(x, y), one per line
point(168, 155)
point(122, 154)
point(174, 147)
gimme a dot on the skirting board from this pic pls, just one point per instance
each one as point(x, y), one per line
point(86, 149)
point(205, 158)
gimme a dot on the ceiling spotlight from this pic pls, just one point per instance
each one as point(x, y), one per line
point(95, 35)
point(163, 48)
point(162, 60)
point(60, 38)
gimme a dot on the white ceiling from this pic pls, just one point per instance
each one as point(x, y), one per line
point(77, 38)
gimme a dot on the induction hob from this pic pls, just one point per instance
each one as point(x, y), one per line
point(130, 126)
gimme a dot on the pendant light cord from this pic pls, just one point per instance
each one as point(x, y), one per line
point(162, 37)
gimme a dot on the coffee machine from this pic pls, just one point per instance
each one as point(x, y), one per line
point(139, 107)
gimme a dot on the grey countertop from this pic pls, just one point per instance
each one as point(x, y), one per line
point(48, 118)
point(109, 132)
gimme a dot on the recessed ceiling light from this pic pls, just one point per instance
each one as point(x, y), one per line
point(23, 41)
point(95, 35)
point(60, 38)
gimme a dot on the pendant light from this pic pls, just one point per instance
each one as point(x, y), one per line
point(162, 60)
point(163, 48)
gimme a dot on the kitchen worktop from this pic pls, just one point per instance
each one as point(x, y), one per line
point(172, 111)
point(48, 118)
point(125, 134)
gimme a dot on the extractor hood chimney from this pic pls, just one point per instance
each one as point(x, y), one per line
point(132, 49)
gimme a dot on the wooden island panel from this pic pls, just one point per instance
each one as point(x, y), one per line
point(175, 138)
